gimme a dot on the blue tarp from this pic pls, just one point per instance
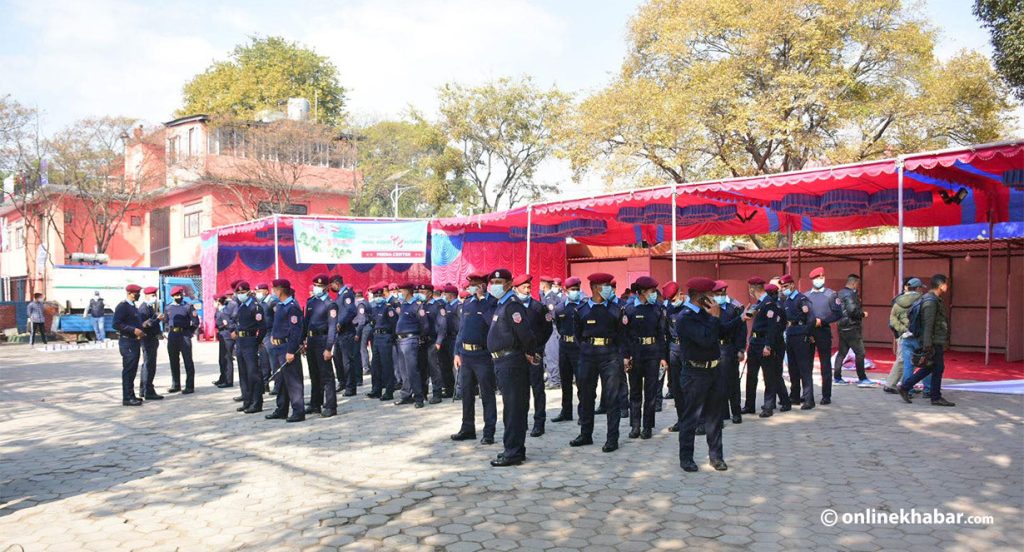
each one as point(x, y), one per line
point(980, 231)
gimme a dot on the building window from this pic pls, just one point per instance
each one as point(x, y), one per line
point(172, 150)
point(266, 209)
point(136, 220)
point(19, 237)
point(69, 217)
point(191, 142)
point(193, 223)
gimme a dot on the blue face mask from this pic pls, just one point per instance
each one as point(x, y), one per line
point(721, 299)
point(652, 298)
point(607, 292)
point(574, 295)
point(786, 292)
point(241, 296)
point(318, 290)
point(496, 290)
point(419, 297)
point(677, 303)
point(378, 300)
point(523, 296)
point(472, 290)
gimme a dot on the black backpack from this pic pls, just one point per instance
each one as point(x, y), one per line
point(914, 321)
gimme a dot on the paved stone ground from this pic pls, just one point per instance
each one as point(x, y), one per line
point(81, 472)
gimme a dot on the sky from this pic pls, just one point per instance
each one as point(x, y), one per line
point(73, 59)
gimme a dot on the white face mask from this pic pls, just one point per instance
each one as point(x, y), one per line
point(818, 283)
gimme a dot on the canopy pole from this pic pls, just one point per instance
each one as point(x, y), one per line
point(529, 232)
point(789, 250)
point(277, 257)
point(988, 292)
point(899, 211)
point(674, 200)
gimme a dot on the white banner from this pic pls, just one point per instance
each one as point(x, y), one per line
point(351, 242)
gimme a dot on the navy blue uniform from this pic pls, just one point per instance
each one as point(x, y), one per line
point(182, 323)
point(150, 346)
point(825, 306)
point(451, 384)
point(701, 382)
point(540, 319)
point(383, 318)
point(799, 347)
point(765, 331)
point(126, 321)
point(733, 342)
point(675, 351)
point(412, 325)
point(600, 334)
point(646, 348)
point(568, 353)
point(477, 368)
point(364, 328)
point(226, 348)
point(509, 339)
point(286, 337)
point(320, 330)
point(347, 347)
point(249, 329)
point(264, 360)
point(433, 345)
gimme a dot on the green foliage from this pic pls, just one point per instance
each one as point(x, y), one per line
point(1005, 21)
point(263, 74)
point(414, 154)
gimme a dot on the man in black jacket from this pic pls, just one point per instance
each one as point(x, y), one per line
point(851, 335)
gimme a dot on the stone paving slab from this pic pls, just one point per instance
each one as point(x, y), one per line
point(80, 472)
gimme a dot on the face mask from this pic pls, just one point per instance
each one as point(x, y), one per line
point(677, 303)
point(652, 297)
point(177, 299)
point(473, 290)
point(496, 290)
point(556, 289)
point(151, 300)
point(786, 292)
point(574, 295)
point(420, 297)
point(378, 300)
point(818, 283)
point(318, 290)
point(260, 296)
point(522, 296)
point(607, 292)
point(721, 299)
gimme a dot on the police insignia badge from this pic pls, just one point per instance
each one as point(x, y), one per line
point(391, 313)
point(548, 317)
point(442, 312)
point(423, 312)
point(625, 319)
point(362, 311)
point(334, 313)
point(517, 318)
point(259, 317)
point(295, 319)
point(806, 309)
point(771, 314)
point(348, 300)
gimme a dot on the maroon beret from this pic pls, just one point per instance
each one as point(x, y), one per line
point(720, 285)
point(150, 290)
point(336, 278)
point(281, 283)
point(755, 281)
point(406, 285)
point(426, 286)
point(817, 272)
point(178, 290)
point(501, 274)
point(474, 276)
point(572, 282)
point(670, 289)
point(613, 282)
point(523, 279)
point(132, 288)
point(700, 284)
point(242, 285)
point(645, 282)
point(786, 279)
point(463, 294)
point(548, 279)
point(264, 287)
point(771, 288)
point(601, 278)
point(234, 283)
point(320, 280)
point(449, 288)
point(557, 281)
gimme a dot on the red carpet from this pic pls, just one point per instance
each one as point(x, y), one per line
point(959, 366)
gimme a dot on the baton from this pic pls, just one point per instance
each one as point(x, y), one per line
point(281, 367)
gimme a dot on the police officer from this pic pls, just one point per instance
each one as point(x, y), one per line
point(350, 372)
point(248, 334)
point(395, 301)
point(826, 309)
point(510, 341)
point(623, 396)
point(266, 301)
point(799, 343)
point(412, 324)
point(182, 323)
point(321, 317)
point(734, 346)
point(129, 331)
point(540, 320)
point(226, 345)
point(763, 354)
point(245, 364)
point(433, 341)
point(383, 318)
point(551, 297)
point(701, 382)
point(473, 361)
point(674, 299)
point(601, 336)
point(151, 317)
point(568, 348)
point(365, 331)
point(645, 352)
point(285, 342)
point(451, 297)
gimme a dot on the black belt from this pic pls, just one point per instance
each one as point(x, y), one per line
point(246, 334)
point(705, 365)
point(405, 335)
point(382, 332)
point(317, 333)
point(598, 341)
point(472, 348)
point(502, 353)
point(276, 341)
point(177, 330)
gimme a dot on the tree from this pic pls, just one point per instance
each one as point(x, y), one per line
point(504, 130)
point(1005, 22)
point(263, 74)
point(714, 88)
point(89, 163)
point(413, 154)
point(265, 166)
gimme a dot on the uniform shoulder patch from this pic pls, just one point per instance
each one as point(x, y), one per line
point(259, 316)
point(839, 301)
point(625, 320)
point(334, 313)
point(423, 312)
point(348, 300)
point(517, 318)
point(443, 312)
point(391, 313)
point(362, 310)
point(295, 319)
point(806, 309)
point(549, 317)
point(551, 306)
point(770, 314)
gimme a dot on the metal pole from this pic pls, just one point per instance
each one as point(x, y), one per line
point(394, 199)
point(988, 293)
point(899, 215)
point(277, 257)
point(789, 249)
point(529, 232)
point(674, 276)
